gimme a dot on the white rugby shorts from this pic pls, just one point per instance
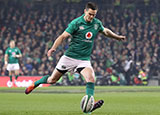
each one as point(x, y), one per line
point(67, 63)
point(12, 67)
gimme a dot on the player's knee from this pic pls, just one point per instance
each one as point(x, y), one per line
point(91, 79)
point(16, 74)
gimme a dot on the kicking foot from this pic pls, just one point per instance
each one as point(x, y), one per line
point(29, 89)
point(97, 105)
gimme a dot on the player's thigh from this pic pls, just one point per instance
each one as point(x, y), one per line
point(66, 63)
point(10, 68)
point(55, 76)
point(11, 72)
point(88, 74)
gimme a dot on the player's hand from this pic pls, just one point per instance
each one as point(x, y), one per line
point(17, 56)
point(49, 53)
point(122, 38)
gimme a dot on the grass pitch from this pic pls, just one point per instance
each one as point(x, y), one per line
point(122, 100)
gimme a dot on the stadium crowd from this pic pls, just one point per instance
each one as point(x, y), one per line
point(34, 27)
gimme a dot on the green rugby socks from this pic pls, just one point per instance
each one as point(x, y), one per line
point(16, 77)
point(10, 78)
point(90, 88)
point(42, 80)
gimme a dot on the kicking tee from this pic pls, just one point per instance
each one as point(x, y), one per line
point(83, 35)
point(11, 52)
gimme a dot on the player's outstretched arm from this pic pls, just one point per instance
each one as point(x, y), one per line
point(57, 42)
point(107, 32)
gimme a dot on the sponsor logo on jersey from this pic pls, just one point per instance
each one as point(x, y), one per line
point(13, 53)
point(89, 41)
point(89, 35)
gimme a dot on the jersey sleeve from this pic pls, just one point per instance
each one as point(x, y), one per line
point(72, 27)
point(101, 27)
point(6, 52)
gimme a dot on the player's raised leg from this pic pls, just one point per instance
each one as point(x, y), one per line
point(47, 79)
point(36, 84)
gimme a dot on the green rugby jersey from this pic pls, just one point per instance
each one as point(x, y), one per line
point(11, 52)
point(83, 35)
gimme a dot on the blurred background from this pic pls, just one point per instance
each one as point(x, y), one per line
point(35, 24)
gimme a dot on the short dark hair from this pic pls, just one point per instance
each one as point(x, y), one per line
point(91, 5)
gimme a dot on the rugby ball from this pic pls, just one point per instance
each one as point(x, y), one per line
point(87, 103)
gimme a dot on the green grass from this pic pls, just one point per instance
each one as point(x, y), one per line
point(66, 101)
